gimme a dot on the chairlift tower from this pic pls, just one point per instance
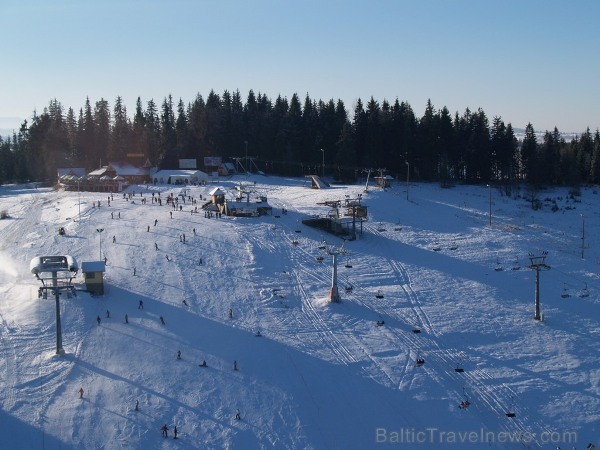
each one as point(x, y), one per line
point(59, 270)
point(538, 263)
point(334, 293)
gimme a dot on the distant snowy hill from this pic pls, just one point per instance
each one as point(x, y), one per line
point(319, 375)
point(567, 136)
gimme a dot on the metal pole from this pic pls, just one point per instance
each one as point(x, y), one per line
point(100, 230)
point(323, 165)
point(79, 195)
point(407, 178)
point(538, 263)
point(59, 347)
point(334, 294)
point(537, 294)
point(246, 160)
point(582, 235)
point(490, 192)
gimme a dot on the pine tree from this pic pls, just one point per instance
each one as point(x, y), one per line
point(529, 156)
point(425, 161)
point(102, 131)
point(72, 131)
point(120, 138)
point(152, 133)
point(168, 138)
point(87, 137)
point(183, 148)
point(595, 164)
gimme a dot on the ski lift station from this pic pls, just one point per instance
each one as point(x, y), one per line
point(93, 273)
point(342, 219)
point(237, 204)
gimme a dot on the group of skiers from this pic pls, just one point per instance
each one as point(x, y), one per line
point(173, 202)
point(165, 431)
point(140, 306)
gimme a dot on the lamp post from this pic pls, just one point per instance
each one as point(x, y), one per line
point(490, 202)
point(582, 234)
point(100, 230)
point(323, 164)
point(246, 160)
point(407, 177)
point(79, 195)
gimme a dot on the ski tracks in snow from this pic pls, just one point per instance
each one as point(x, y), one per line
point(491, 400)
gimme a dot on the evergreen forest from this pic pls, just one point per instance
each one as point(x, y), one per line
point(294, 137)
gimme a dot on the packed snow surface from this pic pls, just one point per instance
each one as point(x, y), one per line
point(320, 375)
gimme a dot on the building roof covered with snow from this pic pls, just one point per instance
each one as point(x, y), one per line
point(179, 176)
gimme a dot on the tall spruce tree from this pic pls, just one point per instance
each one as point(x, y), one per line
point(120, 138)
point(168, 137)
point(102, 132)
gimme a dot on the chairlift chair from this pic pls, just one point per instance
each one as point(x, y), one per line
point(320, 259)
point(379, 294)
point(498, 267)
point(565, 292)
point(465, 403)
point(416, 330)
point(584, 292)
point(511, 413)
point(348, 265)
point(459, 369)
point(516, 266)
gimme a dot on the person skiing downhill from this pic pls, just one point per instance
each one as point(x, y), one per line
point(165, 430)
point(80, 392)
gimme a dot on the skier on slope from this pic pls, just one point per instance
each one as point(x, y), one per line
point(165, 430)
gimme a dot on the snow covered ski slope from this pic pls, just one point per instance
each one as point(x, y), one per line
point(428, 279)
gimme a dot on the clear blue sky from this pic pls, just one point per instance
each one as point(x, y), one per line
point(523, 60)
